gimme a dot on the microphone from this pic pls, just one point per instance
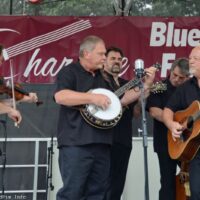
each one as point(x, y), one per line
point(5, 54)
point(139, 68)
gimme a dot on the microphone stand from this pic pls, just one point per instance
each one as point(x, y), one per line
point(3, 155)
point(49, 169)
point(145, 138)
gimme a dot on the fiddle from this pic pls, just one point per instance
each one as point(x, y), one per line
point(19, 92)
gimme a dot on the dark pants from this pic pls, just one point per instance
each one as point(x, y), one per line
point(167, 176)
point(194, 173)
point(119, 163)
point(84, 171)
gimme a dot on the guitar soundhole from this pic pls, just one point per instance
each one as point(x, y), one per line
point(188, 124)
point(186, 134)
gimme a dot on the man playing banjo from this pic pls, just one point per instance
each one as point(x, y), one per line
point(84, 150)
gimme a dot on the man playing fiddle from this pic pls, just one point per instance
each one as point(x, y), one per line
point(6, 106)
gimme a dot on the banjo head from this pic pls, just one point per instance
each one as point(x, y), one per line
point(112, 112)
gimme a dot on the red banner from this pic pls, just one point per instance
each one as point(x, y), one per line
point(40, 46)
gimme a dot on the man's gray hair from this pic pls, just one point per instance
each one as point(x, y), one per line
point(89, 44)
point(182, 64)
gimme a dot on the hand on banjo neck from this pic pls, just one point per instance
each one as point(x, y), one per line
point(105, 109)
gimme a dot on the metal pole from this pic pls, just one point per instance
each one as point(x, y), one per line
point(123, 7)
point(35, 178)
point(11, 6)
point(145, 141)
point(24, 7)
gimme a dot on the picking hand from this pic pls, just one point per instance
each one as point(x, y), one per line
point(176, 130)
point(101, 100)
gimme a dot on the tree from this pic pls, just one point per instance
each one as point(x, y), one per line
point(77, 8)
point(176, 8)
point(101, 7)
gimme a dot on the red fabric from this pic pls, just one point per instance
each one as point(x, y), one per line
point(40, 45)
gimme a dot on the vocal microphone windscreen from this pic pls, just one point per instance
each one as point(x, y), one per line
point(139, 64)
point(5, 54)
point(139, 68)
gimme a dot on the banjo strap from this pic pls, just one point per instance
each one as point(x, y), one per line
point(110, 80)
point(112, 84)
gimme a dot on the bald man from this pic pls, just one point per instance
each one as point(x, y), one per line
point(181, 99)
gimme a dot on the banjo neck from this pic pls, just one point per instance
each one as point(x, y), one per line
point(132, 83)
point(127, 86)
point(108, 118)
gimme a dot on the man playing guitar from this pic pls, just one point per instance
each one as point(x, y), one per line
point(179, 73)
point(181, 99)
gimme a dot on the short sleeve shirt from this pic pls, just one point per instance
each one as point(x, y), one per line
point(72, 128)
point(159, 100)
point(184, 95)
point(123, 130)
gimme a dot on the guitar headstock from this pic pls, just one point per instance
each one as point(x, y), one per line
point(158, 87)
point(157, 66)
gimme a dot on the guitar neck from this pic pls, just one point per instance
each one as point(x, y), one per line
point(131, 84)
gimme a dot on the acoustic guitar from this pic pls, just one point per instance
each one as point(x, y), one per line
point(185, 147)
point(182, 182)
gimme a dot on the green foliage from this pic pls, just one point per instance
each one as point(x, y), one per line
point(101, 7)
point(72, 8)
point(176, 8)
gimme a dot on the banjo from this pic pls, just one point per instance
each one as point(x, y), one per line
point(100, 118)
point(105, 119)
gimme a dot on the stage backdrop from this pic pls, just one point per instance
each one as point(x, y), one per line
point(40, 46)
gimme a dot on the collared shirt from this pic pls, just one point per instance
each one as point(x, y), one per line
point(159, 100)
point(72, 128)
point(184, 95)
point(123, 130)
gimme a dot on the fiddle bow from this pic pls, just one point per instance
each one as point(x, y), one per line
point(13, 90)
